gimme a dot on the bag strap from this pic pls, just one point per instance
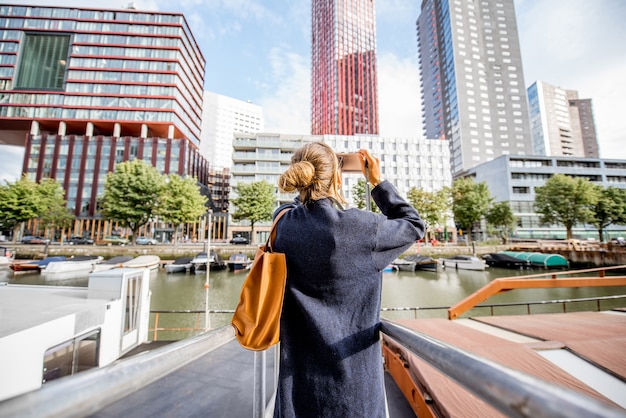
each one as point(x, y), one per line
point(272, 236)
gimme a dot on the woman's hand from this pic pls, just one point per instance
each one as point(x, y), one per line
point(373, 166)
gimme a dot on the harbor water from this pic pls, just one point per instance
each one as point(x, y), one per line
point(402, 293)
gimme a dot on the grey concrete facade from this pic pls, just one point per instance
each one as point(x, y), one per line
point(514, 179)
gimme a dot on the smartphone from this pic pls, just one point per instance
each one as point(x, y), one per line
point(350, 162)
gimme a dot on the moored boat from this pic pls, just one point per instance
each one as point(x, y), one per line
point(505, 261)
point(143, 262)
point(112, 263)
point(214, 260)
point(416, 262)
point(540, 259)
point(182, 264)
point(239, 262)
point(73, 267)
point(464, 262)
point(33, 266)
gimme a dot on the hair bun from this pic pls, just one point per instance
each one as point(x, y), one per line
point(297, 177)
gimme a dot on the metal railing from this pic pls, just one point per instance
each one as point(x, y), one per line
point(198, 326)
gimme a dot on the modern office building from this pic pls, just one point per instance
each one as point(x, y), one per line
point(561, 123)
point(222, 116)
point(343, 68)
point(473, 91)
point(514, 179)
point(84, 89)
point(406, 162)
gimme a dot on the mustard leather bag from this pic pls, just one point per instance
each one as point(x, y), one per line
point(257, 317)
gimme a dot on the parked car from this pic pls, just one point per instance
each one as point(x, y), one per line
point(239, 240)
point(146, 241)
point(80, 241)
point(618, 241)
point(113, 240)
point(29, 239)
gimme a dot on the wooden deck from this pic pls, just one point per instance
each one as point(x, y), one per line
point(515, 342)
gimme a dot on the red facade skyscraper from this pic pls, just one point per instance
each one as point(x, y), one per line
point(343, 61)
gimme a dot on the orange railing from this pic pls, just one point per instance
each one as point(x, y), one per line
point(538, 281)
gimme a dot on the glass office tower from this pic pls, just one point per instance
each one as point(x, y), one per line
point(343, 67)
point(473, 90)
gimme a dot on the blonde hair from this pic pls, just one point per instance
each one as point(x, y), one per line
point(313, 173)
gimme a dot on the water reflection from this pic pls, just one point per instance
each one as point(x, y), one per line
point(185, 291)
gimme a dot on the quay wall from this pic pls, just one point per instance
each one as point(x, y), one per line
point(588, 256)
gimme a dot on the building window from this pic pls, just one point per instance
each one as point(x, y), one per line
point(521, 190)
point(43, 62)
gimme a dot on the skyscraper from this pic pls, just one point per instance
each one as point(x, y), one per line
point(561, 123)
point(473, 90)
point(343, 67)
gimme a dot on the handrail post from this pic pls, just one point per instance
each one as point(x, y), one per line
point(156, 326)
point(258, 403)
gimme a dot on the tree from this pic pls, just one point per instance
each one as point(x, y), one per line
point(501, 216)
point(610, 208)
point(56, 214)
point(470, 201)
point(358, 196)
point(566, 200)
point(19, 202)
point(181, 202)
point(431, 206)
point(255, 202)
point(131, 194)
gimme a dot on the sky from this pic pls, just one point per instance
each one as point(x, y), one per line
point(259, 50)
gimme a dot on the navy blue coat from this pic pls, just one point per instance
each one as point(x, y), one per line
point(330, 352)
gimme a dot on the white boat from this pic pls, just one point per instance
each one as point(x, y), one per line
point(70, 268)
point(200, 261)
point(179, 265)
point(464, 262)
point(45, 328)
point(215, 262)
point(112, 263)
point(143, 261)
point(239, 262)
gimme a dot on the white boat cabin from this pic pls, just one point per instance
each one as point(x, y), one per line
point(47, 332)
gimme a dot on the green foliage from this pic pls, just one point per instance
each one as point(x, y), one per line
point(255, 203)
point(56, 214)
point(566, 200)
point(131, 194)
point(610, 208)
point(470, 202)
point(19, 202)
point(181, 201)
point(431, 206)
point(501, 216)
point(358, 196)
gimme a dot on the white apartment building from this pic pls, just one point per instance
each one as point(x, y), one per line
point(406, 162)
point(561, 123)
point(223, 116)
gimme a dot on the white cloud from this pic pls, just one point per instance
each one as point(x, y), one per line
point(286, 99)
point(399, 105)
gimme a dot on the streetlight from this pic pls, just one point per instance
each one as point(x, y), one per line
point(207, 322)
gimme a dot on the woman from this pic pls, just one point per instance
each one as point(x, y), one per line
point(330, 353)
